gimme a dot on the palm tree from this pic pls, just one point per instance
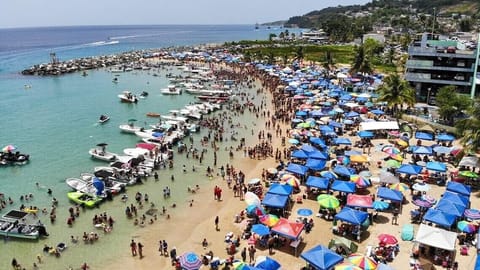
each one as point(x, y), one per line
point(469, 128)
point(396, 92)
point(361, 62)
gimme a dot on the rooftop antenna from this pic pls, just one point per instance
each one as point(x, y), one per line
point(433, 22)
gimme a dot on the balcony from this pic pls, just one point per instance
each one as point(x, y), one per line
point(420, 51)
point(428, 65)
point(427, 78)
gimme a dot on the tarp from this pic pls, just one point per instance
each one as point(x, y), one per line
point(459, 188)
point(379, 125)
point(275, 200)
point(389, 194)
point(362, 201)
point(296, 168)
point(456, 198)
point(280, 189)
point(352, 216)
point(321, 257)
point(317, 182)
point(440, 218)
point(409, 169)
point(436, 237)
point(316, 164)
point(450, 208)
point(343, 186)
point(285, 228)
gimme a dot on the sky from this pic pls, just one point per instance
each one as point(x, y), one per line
point(35, 13)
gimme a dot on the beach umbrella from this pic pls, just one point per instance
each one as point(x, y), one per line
point(429, 198)
point(387, 239)
point(254, 209)
point(466, 227)
point(240, 265)
point(260, 229)
point(445, 137)
point(380, 205)
point(377, 112)
point(366, 174)
point(392, 163)
point(391, 150)
point(251, 198)
point(362, 261)
point(409, 169)
point(399, 187)
point(288, 177)
point(329, 175)
point(388, 177)
point(436, 166)
point(472, 213)
point(342, 170)
point(294, 182)
point(422, 203)
point(254, 181)
point(266, 263)
point(328, 201)
point(269, 220)
point(9, 148)
point(397, 157)
point(422, 150)
point(468, 174)
point(358, 158)
point(360, 181)
point(190, 261)
point(401, 142)
point(423, 187)
point(442, 149)
point(304, 212)
point(365, 134)
point(346, 266)
point(272, 170)
point(293, 141)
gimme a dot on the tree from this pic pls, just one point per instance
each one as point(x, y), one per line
point(271, 36)
point(469, 128)
point(281, 36)
point(361, 62)
point(465, 25)
point(450, 103)
point(299, 54)
point(396, 92)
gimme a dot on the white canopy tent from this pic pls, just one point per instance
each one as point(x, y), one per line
point(379, 125)
point(436, 237)
point(469, 161)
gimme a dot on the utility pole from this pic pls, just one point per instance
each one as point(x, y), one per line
point(433, 22)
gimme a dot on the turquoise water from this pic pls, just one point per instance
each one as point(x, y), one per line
point(55, 122)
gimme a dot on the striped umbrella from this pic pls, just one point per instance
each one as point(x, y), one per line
point(422, 203)
point(190, 261)
point(269, 220)
point(9, 148)
point(466, 227)
point(254, 209)
point(362, 261)
point(346, 266)
point(397, 157)
point(287, 177)
point(472, 213)
point(294, 182)
point(328, 201)
point(392, 163)
point(391, 150)
point(360, 181)
point(429, 198)
point(399, 187)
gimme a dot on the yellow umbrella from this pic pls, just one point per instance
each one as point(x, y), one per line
point(358, 158)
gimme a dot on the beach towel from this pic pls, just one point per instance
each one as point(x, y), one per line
point(407, 232)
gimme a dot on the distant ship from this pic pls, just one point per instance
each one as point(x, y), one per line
point(257, 26)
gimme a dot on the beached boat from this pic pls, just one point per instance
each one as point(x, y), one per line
point(84, 199)
point(171, 90)
point(100, 153)
point(127, 96)
point(110, 185)
point(14, 224)
point(10, 158)
point(103, 118)
point(81, 185)
point(215, 98)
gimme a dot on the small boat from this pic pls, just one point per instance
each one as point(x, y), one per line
point(80, 185)
point(10, 158)
point(171, 90)
point(100, 153)
point(81, 198)
point(103, 118)
point(127, 96)
point(15, 224)
point(130, 127)
point(153, 114)
point(144, 94)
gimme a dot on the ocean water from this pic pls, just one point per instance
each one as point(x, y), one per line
point(55, 121)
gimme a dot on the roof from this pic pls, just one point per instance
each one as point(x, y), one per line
point(436, 237)
point(379, 125)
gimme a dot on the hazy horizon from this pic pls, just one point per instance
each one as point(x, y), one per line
point(34, 13)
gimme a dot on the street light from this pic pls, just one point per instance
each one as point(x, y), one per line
point(428, 94)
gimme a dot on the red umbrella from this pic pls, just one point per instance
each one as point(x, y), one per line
point(147, 146)
point(387, 239)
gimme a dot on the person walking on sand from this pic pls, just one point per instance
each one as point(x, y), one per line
point(160, 247)
point(133, 248)
point(251, 253)
point(244, 254)
point(216, 223)
point(140, 250)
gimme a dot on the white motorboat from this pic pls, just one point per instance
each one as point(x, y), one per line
point(127, 96)
point(100, 153)
point(171, 90)
point(174, 117)
point(81, 185)
point(110, 184)
point(130, 127)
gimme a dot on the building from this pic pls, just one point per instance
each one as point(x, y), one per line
point(317, 36)
point(435, 62)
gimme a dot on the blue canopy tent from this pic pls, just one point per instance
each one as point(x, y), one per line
point(317, 182)
point(280, 189)
point(456, 198)
point(451, 208)
point(352, 153)
point(440, 218)
point(321, 258)
point(329, 175)
point(445, 137)
point(436, 166)
point(342, 140)
point(300, 154)
point(326, 130)
point(423, 136)
point(316, 164)
point(351, 114)
point(334, 124)
point(409, 169)
point(308, 148)
point(389, 194)
point(260, 229)
point(343, 186)
point(352, 216)
point(342, 170)
point(422, 150)
point(365, 134)
point(297, 169)
point(301, 113)
point(317, 113)
point(377, 112)
point(275, 200)
point(318, 141)
point(459, 188)
point(318, 155)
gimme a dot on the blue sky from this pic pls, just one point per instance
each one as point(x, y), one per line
point(25, 13)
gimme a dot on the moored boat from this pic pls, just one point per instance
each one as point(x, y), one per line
point(15, 224)
point(103, 118)
point(81, 198)
point(127, 96)
point(100, 153)
point(153, 114)
point(171, 90)
point(130, 126)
